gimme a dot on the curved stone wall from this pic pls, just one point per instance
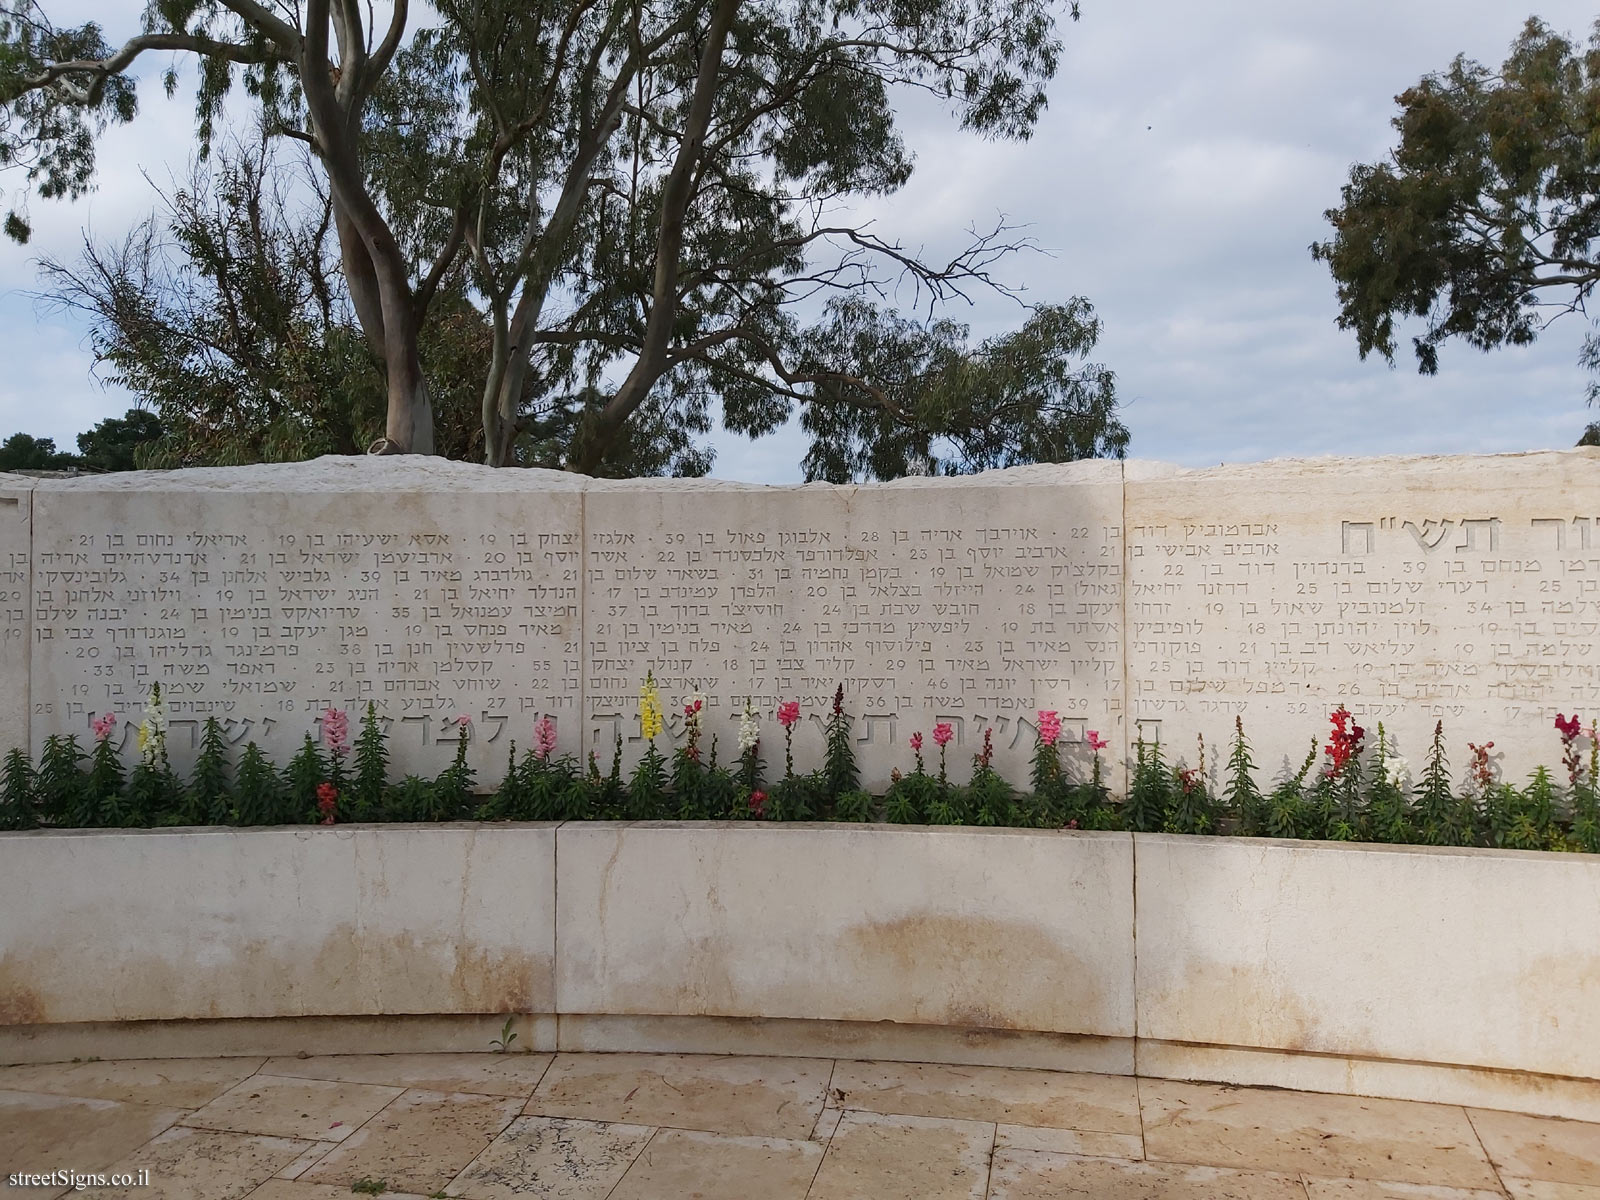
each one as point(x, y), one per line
point(1462, 975)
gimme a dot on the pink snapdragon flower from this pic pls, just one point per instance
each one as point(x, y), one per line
point(463, 719)
point(916, 741)
point(103, 726)
point(788, 713)
point(1096, 742)
point(544, 738)
point(1049, 726)
point(336, 730)
point(942, 733)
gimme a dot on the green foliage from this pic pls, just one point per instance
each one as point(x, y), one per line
point(101, 800)
point(1482, 222)
point(1150, 795)
point(798, 797)
point(511, 800)
point(59, 784)
point(1440, 817)
point(452, 790)
point(67, 791)
point(1242, 796)
point(210, 800)
point(155, 794)
point(18, 803)
point(1191, 808)
point(372, 767)
point(855, 805)
point(690, 788)
point(647, 787)
point(1388, 811)
point(840, 758)
point(414, 799)
point(258, 789)
point(988, 799)
point(24, 452)
point(910, 798)
point(306, 771)
point(1287, 814)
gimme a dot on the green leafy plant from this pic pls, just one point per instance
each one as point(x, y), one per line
point(839, 769)
point(258, 789)
point(306, 772)
point(367, 1186)
point(1242, 796)
point(1286, 815)
point(366, 792)
point(1150, 795)
point(988, 796)
point(452, 790)
point(101, 800)
point(507, 1036)
point(59, 783)
point(18, 806)
point(210, 799)
point(1438, 812)
point(1388, 811)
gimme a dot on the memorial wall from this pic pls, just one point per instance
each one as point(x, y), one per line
point(1133, 599)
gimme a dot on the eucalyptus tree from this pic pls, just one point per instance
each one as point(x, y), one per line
point(642, 201)
point(1484, 221)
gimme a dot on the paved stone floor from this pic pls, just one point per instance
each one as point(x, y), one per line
point(659, 1127)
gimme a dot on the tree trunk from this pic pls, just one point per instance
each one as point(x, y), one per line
point(409, 429)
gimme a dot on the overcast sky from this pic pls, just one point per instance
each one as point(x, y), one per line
point(1176, 180)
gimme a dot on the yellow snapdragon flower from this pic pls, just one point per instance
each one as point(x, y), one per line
point(651, 720)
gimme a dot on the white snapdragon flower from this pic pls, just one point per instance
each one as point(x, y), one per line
point(749, 727)
point(1397, 770)
point(153, 729)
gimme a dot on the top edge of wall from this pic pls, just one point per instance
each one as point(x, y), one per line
point(1151, 471)
point(360, 473)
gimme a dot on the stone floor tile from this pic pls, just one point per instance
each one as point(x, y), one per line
point(1061, 1100)
point(1536, 1189)
point(1540, 1148)
point(420, 1142)
point(762, 1097)
point(202, 1164)
point(1374, 1189)
point(165, 1082)
point(317, 1110)
point(488, 1074)
point(289, 1189)
point(1324, 1135)
point(1069, 1141)
point(681, 1163)
point(874, 1156)
point(42, 1132)
point(313, 1153)
point(552, 1158)
point(1030, 1175)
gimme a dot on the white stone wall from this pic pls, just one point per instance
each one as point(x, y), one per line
point(1457, 975)
point(1132, 598)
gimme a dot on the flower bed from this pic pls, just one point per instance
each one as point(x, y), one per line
point(1353, 788)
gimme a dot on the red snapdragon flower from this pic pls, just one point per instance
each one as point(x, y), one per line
point(327, 801)
point(788, 713)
